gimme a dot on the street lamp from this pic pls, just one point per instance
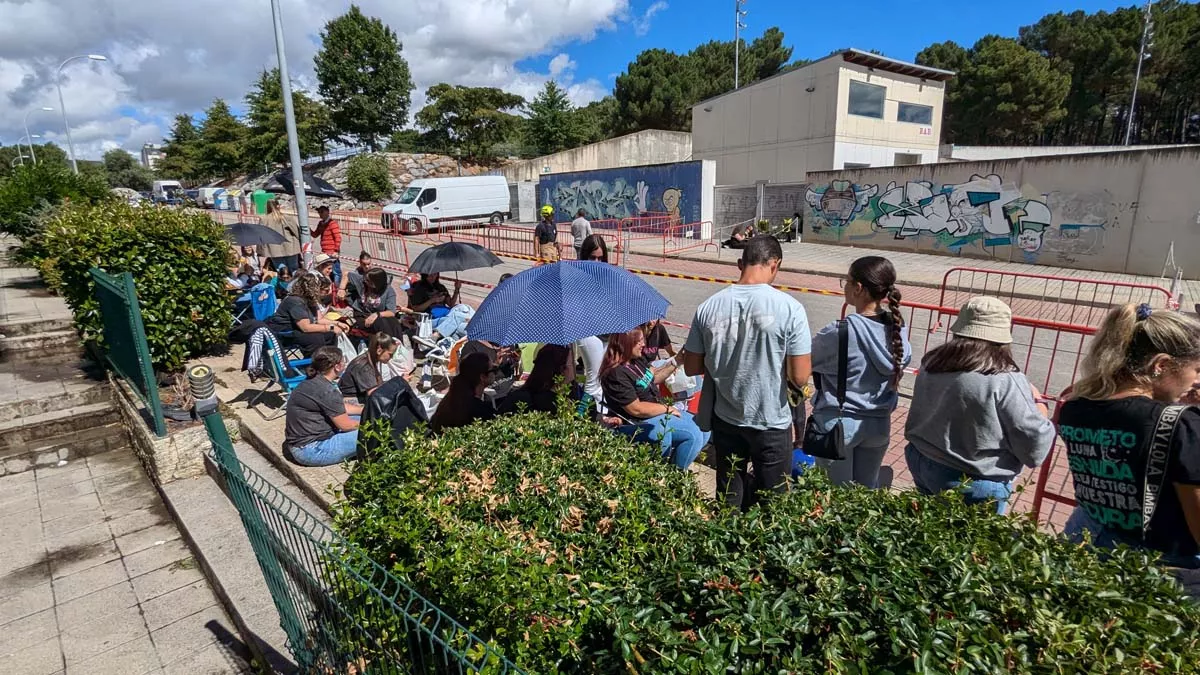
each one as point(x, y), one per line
point(63, 106)
point(738, 15)
point(1147, 33)
point(27, 133)
point(19, 157)
point(289, 117)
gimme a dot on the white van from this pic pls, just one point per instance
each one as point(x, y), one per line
point(167, 190)
point(445, 202)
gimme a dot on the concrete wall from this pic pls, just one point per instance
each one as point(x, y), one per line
point(684, 189)
point(643, 147)
point(1111, 212)
point(983, 153)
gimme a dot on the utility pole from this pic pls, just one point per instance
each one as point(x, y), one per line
point(738, 13)
point(1147, 34)
point(289, 117)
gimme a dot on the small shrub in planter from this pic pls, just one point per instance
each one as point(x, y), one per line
point(576, 551)
point(179, 261)
point(368, 178)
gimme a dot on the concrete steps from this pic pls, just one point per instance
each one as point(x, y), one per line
point(41, 344)
point(47, 438)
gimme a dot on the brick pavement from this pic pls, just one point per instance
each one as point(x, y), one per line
point(95, 580)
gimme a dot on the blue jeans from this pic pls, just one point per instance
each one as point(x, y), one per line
point(932, 477)
point(333, 450)
point(679, 438)
point(454, 324)
point(1081, 522)
point(337, 269)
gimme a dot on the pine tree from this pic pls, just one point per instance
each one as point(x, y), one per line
point(364, 78)
point(472, 119)
point(552, 124)
point(181, 151)
point(221, 139)
point(267, 143)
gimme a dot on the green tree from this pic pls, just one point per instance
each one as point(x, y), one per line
point(597, 120)
point(363, 77)
point(122, 170)
point(181, 151)
point(472, 119)
point(1009, 95)
point(46, 153)
point(552, 124)
point(368, 178)
point(221, 139)
point(267, 143)
point(412, 140)
point(948, 55)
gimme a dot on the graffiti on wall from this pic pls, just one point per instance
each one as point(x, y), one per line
point(673, 189)
point(983, 212)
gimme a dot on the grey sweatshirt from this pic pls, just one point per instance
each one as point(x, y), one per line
point(869, 368)
point(986, 426)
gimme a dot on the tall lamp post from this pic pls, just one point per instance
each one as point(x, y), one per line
point(289, 116)
point(31, 154)
point(738, 13)
point(63, 107)
point(19, 157)
point(1147, 31)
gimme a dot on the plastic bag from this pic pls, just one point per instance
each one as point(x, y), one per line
point(680, 383)
point(347, 347)
point(425, 327)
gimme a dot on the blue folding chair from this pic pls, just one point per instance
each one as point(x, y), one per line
point(277, 374)
point(262, 301)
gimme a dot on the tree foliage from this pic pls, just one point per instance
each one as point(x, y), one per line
point(472, 119)
point(222, 138)
point(552, 124)
point(363, 77)
point(48, 153)
point(1096, 54)
point(267, 142)
point(121, 169)
point(368, 178)
point(658, 90)
point(181, 151)
point(31, 190)
point(597, 120)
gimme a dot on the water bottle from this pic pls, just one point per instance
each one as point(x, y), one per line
point(426, 377)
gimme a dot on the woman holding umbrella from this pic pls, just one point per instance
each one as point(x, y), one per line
point(288, 252)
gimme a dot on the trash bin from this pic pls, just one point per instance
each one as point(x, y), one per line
point(261, 197)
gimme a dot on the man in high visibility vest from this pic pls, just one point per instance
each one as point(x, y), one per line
point(545, 237)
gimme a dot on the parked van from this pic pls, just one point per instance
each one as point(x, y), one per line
point(168, 191)
point(445, 202)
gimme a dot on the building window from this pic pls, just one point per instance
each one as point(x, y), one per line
point(906, 159)
point(855, 165)
point(867, 100)
point(914, 114)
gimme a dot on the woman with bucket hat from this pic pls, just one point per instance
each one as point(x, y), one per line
point(975, 418)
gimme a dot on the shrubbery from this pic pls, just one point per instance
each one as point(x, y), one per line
point(368, 178)
point(31, 191)
point(575, 551)
point(179, 261)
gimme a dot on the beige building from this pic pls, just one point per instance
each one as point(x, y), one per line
point(849, 110)
point(652, 146)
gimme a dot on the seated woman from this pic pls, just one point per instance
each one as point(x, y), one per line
point(296, 321)
point(464, 402)
point(320, 429)
point(553, 366)
point(594, 248)
point(657, 341)
point(631, 391)
point(450, 317)
point(369, 370)
point(1125, 441)
point(373, 300)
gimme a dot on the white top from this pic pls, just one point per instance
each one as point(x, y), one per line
point(580, 229)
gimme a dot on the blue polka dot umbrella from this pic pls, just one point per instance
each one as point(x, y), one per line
point(564, 302)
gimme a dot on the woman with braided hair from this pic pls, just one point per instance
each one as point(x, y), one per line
point(877, 351)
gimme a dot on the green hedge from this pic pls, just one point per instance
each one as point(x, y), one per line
point(31, 191)
point(368, 178)
point(179, 261)
point(576, 551)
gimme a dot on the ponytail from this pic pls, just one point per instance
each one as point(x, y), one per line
point(897, 328)
point(1124, 348)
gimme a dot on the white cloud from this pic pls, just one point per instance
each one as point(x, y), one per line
point(166, 58)
point(641, 25)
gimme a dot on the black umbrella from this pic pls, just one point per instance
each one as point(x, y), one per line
point(455, 256)
point(253, 234)
point(281, 183)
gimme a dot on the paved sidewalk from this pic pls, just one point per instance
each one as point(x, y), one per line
point(24, 297)
point(94, 578)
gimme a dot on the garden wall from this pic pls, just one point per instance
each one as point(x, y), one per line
point(1108, 212)
point(683, 189)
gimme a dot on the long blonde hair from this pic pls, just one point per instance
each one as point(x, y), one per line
point(1123, 349)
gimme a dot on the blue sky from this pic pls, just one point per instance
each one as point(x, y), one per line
point(813, 29)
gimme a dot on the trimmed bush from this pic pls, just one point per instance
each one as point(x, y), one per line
point(368, 178)
point(575, 551)
point(179, 261)
point(28, 195)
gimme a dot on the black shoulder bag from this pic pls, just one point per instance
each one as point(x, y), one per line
point(831, 444)
point(1157, 461)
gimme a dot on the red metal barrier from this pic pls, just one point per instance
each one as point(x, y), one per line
point(1069, 300)
point(385, 246)
point(686, 237)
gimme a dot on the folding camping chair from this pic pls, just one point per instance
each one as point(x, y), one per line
point(277, 374)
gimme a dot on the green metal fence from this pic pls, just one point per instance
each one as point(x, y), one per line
point(125, 346)
point(342, 612)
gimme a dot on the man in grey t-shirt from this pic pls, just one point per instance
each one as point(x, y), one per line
point(580, 229)
point(750, 340)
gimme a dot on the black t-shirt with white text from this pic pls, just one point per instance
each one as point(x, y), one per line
point(1107, 444)
point(655, 342)
point(627, 383)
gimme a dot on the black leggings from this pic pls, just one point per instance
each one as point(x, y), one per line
point(384, 324)
point(308, 343)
